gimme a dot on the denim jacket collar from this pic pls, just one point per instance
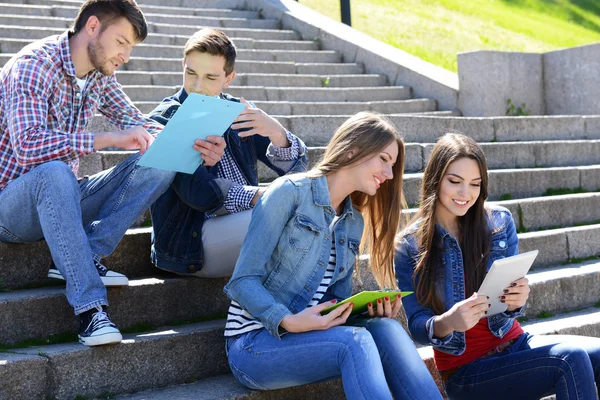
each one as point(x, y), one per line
point(321, 196)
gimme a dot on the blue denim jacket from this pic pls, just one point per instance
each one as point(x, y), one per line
point(178, 215)
point(450, 282)
point(286, 252)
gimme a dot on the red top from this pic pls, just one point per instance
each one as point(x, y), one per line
point(479, 341)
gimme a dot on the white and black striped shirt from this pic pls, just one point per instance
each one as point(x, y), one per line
point(240, 321)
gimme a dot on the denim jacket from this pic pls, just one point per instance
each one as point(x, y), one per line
point(179, 214)
point(450, 281)
point(286, 252)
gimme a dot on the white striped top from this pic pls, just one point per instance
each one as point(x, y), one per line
point(240, 321)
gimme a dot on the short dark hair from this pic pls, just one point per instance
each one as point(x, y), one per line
point(108, 11)
point(214, 42)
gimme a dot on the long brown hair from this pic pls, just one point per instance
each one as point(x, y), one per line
point(365, 135)
point(474, 233)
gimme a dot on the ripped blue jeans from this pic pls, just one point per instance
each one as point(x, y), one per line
point(378, 362)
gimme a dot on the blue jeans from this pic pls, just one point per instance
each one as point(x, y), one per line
point(80, 221)
point(533, 367)
point(372, 362)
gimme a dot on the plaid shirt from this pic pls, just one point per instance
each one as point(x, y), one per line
point(240, 195)
point(44, 114)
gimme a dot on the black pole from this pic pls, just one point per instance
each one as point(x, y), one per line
point(345, 8)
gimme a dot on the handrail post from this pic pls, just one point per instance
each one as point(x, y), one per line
point(345, 9)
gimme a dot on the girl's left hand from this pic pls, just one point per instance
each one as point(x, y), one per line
point(385, 308)
point(516, 295)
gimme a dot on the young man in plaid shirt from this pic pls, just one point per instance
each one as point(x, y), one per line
point(49, 93)
point(201, 220)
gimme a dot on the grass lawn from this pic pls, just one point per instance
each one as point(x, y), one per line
point(436, 30)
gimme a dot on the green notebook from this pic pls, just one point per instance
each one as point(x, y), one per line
point(361, 300)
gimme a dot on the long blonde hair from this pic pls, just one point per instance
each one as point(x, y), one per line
point(364, 135)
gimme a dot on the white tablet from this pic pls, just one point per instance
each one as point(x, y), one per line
point(502, 273)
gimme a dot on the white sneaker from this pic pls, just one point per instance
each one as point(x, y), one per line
point(109, 278)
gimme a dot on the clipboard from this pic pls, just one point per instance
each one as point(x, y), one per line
point(198, 117)
point(362, 299)
point(501, 274)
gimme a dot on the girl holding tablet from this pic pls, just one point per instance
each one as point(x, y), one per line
point(298, 259)
point(444, 256)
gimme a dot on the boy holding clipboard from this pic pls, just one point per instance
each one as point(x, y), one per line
point(201, 220)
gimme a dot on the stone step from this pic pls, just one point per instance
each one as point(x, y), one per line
point(281, 49)
point(551, 212)
point(301, 56)
point(157, 301)
point(320, 108)
point(110, 366)
point(144, 78)
point(270, 93)
point(564, 288)
point(132, 256)
point(226, 387)
point(168, 356)
point(427, 129)
point(70, 11)
point(156, 23)
point(244, 66)
point(161, 33)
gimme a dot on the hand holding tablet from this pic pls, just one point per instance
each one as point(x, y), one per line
point(362, 299)
point(501, 275)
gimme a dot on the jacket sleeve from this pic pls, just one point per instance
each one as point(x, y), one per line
point(282, 160)
point(246, 286)
point(420, 318)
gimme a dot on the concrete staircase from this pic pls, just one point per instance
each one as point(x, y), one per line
point(173, 347)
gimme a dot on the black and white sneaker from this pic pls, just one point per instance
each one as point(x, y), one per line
point(96, 328)
point(109, 278)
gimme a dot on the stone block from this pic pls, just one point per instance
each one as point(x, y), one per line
point(550, 287)
point(315, 130)
point(521, 183)
point(592, 126)
point(584, 241)
point(487, 79)
point(157, 301)
point(515, 129)
point(24, 377)
point(590, 178)
point(566, 153)
point(423, 129)
point(169, 356)
point(571, 81)
point(413, 157)
point(559, 211)
point(552, 246)
point(90, 164)
point(227, 387)
point(412, 188)
point(326, 69)
point(509, 155)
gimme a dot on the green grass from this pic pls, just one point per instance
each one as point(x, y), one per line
point(545, 314)
point(436, 30)
point(561, 191)
point(53, 339)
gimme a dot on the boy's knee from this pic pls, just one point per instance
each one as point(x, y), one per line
point(58, 176)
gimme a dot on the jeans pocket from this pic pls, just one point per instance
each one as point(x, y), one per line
point(8, 237)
